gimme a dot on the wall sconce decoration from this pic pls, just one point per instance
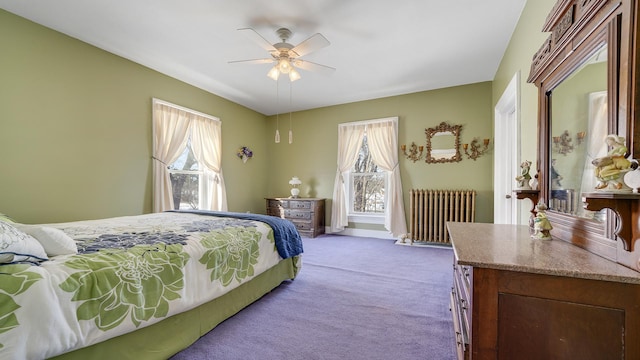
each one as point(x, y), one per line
point(295, 182)
point(563, 144)
point(476, 149)
point(415, 152)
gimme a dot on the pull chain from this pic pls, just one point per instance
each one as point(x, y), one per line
point(290, 109)
point(277, 115)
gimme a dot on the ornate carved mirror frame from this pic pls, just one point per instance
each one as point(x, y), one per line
point(444, 155)
point(579, 28)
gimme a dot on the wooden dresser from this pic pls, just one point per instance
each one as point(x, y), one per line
point(306, 213)
point(514, 297)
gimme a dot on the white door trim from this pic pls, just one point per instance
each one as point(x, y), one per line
point(507, 153)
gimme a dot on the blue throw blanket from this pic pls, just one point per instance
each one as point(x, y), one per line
point(287, 237)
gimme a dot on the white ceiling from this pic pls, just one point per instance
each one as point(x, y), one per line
point(379, 48)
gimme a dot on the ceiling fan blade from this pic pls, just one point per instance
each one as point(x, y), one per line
point(311, 66)
point(258, 39)
point(253, 61)
point(313, 43)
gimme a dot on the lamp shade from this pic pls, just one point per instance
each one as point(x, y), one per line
point(295, 181)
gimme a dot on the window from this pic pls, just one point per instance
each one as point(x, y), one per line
point(365, 192)
point(186, 181)
point(367, 185)
point(187, 171)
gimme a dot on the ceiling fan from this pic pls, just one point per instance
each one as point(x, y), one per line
point(286, 56)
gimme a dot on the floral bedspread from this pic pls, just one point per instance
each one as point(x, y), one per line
point(130, 272)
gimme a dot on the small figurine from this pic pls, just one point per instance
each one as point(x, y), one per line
point(524, 178)
point(541, 225)
point(610, 168)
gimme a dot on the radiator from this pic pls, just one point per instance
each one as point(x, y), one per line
point(431, 209)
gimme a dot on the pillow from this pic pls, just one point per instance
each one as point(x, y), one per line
point(54, 241)
point(16, 246)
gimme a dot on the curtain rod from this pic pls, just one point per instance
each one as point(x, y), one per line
point(373, 121)
point(210, 117)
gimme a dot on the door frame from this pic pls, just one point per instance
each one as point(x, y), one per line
point(507, 144)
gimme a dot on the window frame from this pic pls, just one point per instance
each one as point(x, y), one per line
point(204, 187)
point(360, 217)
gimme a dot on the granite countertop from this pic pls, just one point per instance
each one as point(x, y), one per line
point(510, 247)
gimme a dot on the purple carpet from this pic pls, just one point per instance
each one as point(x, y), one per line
point(355, 298)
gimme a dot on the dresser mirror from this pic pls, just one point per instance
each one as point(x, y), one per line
point(585, 74)
point(579, 125)
point(443, 143)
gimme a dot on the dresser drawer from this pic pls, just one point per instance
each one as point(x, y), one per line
point(463, 304)
point(462, 347)
point(297, 214)
point(276, 211)
point(461, 307)
point(277, 203)
point(299, 204)
point(303, 225)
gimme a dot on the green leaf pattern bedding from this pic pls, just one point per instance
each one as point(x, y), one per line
point(131, 272)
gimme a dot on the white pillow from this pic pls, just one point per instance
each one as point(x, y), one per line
point(54, 241)
point(17, 246)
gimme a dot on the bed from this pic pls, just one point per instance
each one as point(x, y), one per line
point(135, 287)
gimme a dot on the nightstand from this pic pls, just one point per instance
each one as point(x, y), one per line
point(307, 214)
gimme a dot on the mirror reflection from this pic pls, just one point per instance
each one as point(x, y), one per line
point(578, 131)
point(443, 143)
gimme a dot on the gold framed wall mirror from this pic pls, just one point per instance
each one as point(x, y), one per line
point(586, 90)
point(443, 143)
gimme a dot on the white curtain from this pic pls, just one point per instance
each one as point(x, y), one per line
point(595, 144)
point(349, 142)
point(209, 154)
point(382, 138)
point(172, 128)
point(171, 134)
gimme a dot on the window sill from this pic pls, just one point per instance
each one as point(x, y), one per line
point(367, 219)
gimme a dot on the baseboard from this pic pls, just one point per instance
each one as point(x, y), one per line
point(380, 234)
point(407, 242)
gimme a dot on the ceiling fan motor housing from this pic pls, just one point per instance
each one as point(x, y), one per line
point(284, 34)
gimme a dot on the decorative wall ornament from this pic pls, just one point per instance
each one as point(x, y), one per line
point(524, 178)
point(450, 134)
point(563, 144)
point(244, 153)
point(415, 152)
point(476, 149)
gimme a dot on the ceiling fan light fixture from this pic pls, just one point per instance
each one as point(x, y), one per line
point(284, 66)
point(293, 75)
point(274, 73)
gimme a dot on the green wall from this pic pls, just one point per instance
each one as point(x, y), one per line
point(527, 38)
point(313, 155)
point(75, 129)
